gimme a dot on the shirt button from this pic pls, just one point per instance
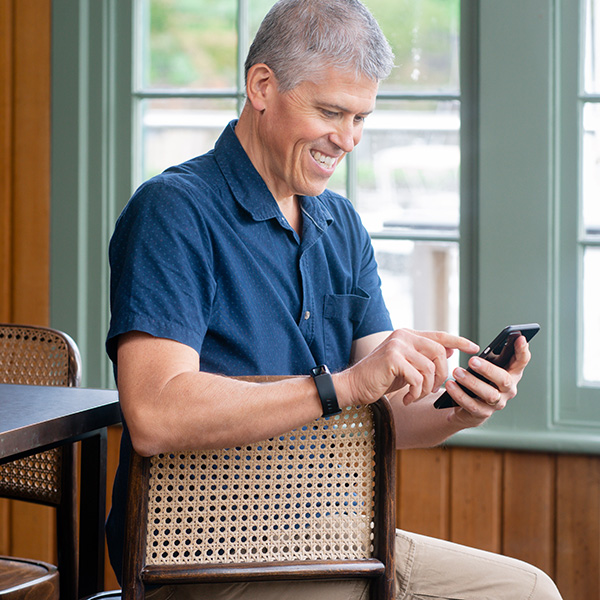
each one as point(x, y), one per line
point(307, 315)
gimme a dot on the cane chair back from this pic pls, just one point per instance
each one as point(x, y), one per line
point(41, 356)
point(315, 503)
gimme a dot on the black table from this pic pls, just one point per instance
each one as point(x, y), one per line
point(34, 418)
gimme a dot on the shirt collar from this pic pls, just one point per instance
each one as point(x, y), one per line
point(249, 189)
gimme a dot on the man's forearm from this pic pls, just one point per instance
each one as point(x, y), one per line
point(201, 410)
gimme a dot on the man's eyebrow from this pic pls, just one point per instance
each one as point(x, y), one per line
point(338, 108)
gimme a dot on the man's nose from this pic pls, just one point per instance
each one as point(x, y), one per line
point(345, 137)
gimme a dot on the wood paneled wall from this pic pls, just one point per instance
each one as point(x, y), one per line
point(25, 530)
point(539, 507)
point(543, 508)
point(24, 160)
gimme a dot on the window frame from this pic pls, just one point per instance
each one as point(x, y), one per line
point(90, 170)
point(574, 240)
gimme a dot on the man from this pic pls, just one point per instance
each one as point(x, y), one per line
point(240, 262)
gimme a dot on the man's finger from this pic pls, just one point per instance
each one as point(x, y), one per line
point(522, 354)
point(451, 342)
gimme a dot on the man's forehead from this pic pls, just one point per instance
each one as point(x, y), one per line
point(351, 95)
point(347, 109)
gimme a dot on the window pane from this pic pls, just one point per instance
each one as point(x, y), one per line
point(591, 169)
point(408, 166)
point(189, 44)
point(424, 35)
point(591, 315)
point(592, 47)
point(420, 283)
point(175, 130)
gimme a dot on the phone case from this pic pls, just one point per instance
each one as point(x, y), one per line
point(499, 351)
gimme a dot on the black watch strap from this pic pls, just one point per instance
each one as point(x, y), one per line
point(326, 390)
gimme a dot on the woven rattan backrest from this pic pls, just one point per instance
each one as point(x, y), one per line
point(317, 503)
point(306, 495)
point(36, 356)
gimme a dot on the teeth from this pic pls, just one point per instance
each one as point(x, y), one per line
point(328, 161)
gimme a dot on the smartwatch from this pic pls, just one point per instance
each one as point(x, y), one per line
point(326, 391)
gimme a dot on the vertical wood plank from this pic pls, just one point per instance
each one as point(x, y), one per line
point(578, 527)
point(475, 501)
point(6, 156)
point(33, 531)
point(32, 528)
point(529, 508)
point(31, 151)
point(423, 482)
point(4, 526)
point(6, 95)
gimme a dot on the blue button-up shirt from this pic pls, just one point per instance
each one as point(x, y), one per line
point(203, 255)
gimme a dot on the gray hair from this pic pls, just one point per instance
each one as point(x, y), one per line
point(299, 38)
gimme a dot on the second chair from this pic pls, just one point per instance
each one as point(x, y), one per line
point(41, 356)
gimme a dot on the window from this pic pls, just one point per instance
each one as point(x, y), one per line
point(477, 175)
point(404, 175)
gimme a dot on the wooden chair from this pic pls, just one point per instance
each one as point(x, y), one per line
point(316, 503)
point(41, 356)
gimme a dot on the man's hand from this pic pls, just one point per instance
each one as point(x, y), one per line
point(406, 358)
point(415, 364)
point(473, 411)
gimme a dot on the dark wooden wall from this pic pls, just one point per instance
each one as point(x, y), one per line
point(24, 212)
point(543, 508)
point(540, 507)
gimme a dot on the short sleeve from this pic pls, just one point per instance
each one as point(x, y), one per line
point(161, 276)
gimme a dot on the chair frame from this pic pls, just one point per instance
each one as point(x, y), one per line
point(65, 501)
point(380, 568)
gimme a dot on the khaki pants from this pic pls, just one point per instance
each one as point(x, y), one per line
point(426, 569)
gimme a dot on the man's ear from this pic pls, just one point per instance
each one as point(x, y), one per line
point(260, 83)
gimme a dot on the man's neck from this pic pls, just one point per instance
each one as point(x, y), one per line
point(292, 212)
point(289, 206)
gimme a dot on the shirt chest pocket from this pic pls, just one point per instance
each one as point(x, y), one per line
point(342, 314)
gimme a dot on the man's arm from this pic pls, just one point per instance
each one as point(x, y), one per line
point(169, 404)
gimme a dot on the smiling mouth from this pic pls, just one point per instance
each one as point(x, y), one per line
point(326, 161)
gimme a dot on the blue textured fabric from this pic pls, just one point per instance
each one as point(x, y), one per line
point(203, 255)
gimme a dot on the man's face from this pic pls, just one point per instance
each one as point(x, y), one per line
point(306, 131)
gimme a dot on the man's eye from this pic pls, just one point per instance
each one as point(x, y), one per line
point(329, 114)
point(358, 119)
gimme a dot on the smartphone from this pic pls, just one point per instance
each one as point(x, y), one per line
point(499, 351)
